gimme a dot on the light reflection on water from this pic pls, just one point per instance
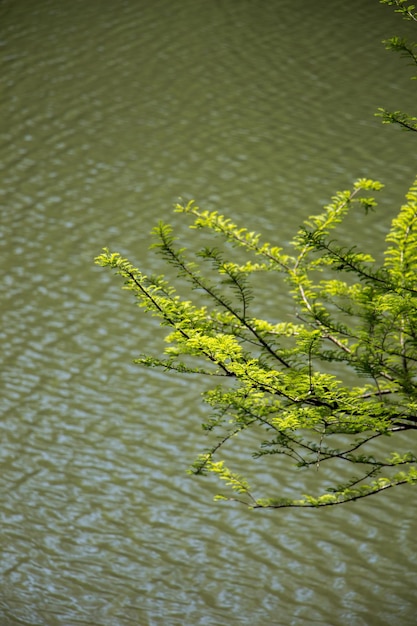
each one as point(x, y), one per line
point(111, 116)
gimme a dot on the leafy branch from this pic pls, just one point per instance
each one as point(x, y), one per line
point(325, 387)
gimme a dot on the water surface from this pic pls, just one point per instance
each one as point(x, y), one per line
point(110, 112)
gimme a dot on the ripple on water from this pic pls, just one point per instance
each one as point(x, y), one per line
point(112, 114)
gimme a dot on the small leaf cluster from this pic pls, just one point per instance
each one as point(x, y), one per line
point(407, 11)
point(408, 51)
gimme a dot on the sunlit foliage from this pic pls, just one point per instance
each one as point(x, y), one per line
point(323, 387)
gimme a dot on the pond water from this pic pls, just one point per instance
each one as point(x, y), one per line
point(110, 112)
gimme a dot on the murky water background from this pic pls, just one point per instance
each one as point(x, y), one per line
point(109, 113)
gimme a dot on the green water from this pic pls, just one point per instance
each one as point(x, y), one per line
point(109, 113)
